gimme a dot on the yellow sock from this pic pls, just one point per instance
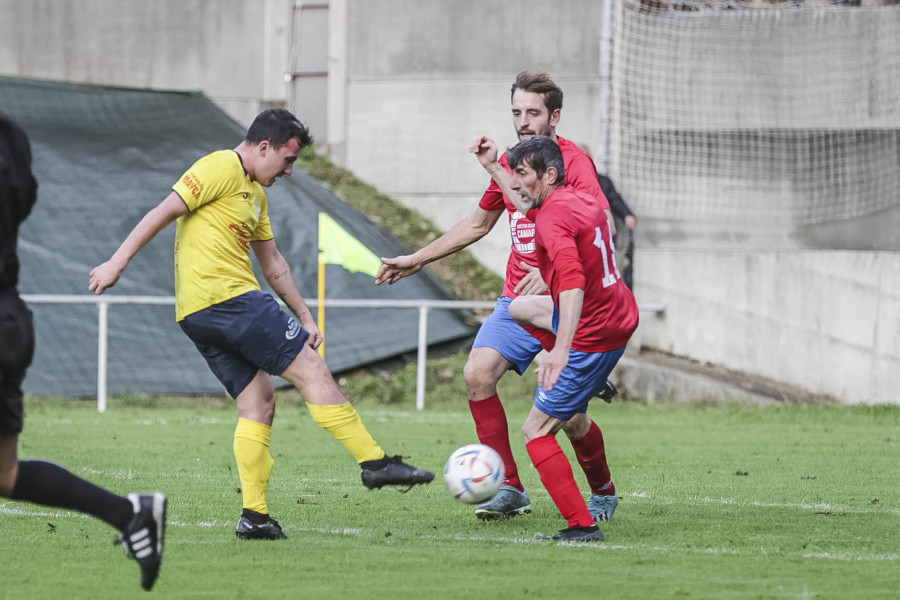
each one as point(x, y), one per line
point(254, 462)
point(343, 422)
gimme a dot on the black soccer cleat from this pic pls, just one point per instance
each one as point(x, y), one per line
point(578, 534)
point(144, 537)
point(608, 391)
point(266, 528)
point(391, 470)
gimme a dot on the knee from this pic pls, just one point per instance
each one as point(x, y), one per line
point(477, 376)
point(577, 427)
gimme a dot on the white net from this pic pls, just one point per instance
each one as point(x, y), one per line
point(748, 111)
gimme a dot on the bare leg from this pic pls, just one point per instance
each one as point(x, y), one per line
point(483, 370)
point(9, 463)
point(536, 311)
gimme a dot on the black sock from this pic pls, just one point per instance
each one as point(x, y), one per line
point(49, 484)
point(255, 517)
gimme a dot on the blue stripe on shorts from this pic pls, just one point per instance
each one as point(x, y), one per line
point(501, 332)
point(240, 336)
point(580, 381)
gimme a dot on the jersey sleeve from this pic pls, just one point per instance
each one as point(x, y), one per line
point(263, 230)
point(202, 183)
point(493, 198)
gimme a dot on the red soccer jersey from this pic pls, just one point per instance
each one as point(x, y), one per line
point(581, 174)
point(571, 219)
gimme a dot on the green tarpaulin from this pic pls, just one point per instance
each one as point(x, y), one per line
point(104, 156)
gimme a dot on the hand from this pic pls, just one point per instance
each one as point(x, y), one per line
point(630, 221)
point(531, 283)
point(485, 149)
point(552, 367)
point(315, 338)
point(104, 276)
point(394, 269)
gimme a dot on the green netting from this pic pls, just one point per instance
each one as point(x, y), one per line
point(104, 156)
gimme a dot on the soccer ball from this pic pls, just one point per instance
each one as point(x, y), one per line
point(474, 473)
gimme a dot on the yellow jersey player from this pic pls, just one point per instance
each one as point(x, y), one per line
point(243, 333)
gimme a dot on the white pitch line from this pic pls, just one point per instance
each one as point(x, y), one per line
point(819, 506)
point(16, 509)
point(850, 557)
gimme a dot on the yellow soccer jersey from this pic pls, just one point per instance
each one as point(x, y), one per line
point(226, 211)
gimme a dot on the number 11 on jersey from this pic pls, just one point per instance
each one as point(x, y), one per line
point(608, 249)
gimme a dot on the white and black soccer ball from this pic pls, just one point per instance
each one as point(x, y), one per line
point(474, 473)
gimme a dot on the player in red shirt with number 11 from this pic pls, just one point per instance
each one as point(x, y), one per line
point(591, 311)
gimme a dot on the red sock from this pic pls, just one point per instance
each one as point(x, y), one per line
point(556, 474)
point(493, 431)
point(591, 455)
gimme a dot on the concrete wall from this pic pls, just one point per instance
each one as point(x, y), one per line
point(827, 321)
point(427, 77)
point(236, 51)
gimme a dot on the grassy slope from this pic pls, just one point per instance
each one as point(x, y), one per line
point(462, 274)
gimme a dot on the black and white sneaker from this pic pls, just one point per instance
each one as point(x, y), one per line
point(578, 534)
point(144, 537)
point(391, 470)
point(607, 392)
point(257, 526)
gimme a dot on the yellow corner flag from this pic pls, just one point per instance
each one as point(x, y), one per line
point(337, 247)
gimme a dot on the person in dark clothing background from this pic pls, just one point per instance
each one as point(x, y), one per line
point(141, 518)
point(621, 212)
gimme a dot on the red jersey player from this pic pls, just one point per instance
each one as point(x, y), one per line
point(501, 344)
point(590, 309)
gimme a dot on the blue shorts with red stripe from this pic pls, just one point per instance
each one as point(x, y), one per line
point(240, 336)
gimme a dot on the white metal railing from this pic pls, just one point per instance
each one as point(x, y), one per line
point(423, 307)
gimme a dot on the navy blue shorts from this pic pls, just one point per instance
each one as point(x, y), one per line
point(501, 332)
point(238, 337)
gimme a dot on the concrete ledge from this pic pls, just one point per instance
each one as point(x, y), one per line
point(651, 376)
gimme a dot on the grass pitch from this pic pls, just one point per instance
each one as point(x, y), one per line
point(716, 502)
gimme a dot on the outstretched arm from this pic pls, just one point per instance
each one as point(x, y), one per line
point(466, 232)
point(278, 273)
point(158, 218)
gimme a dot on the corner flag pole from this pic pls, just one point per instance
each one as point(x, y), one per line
point(337, 247)
point(321, 311)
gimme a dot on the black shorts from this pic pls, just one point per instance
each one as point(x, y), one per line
point(238, 337)
point(16, 352)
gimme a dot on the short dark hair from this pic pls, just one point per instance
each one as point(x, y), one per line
point(277, 126)
point(539, 83)
point(540, 153)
